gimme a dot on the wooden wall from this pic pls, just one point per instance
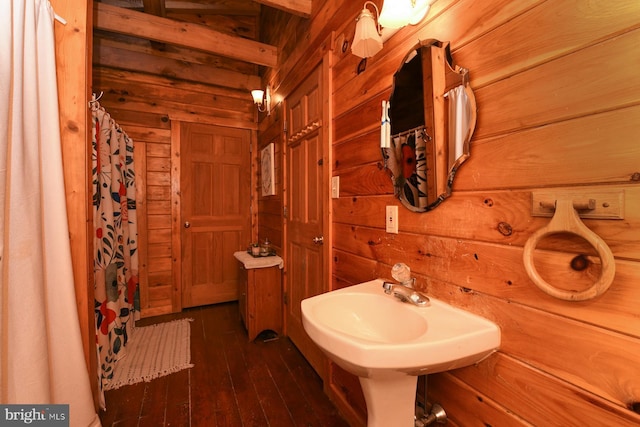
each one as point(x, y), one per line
point(290, 35)
point(73, 48)
point(147, 88)
point(558, 94)
point(270, 218)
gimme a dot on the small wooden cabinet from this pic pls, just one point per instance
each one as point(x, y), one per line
point(260, 294)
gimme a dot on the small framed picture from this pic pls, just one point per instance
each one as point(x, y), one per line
point(267, 173)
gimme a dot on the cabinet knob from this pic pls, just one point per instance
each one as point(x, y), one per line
point(187, 224)
point(318, 240)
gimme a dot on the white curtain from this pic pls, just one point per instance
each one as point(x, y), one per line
point(41, 356)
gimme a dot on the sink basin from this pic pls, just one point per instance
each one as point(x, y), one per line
point(388, 343)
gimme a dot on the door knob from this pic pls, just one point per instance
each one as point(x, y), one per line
point(187, 224)
point(318, 240)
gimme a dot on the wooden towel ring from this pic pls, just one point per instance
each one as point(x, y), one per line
point(567, 220)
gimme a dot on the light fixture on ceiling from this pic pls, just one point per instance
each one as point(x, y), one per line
point(262, 99)
point(367, 40)
point(398, 13)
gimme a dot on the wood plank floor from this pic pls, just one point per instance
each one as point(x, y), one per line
point(233, 383)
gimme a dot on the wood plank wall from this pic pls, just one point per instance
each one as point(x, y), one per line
point(558, 96)
point(270, 217)
point(151, 133)
point(558, 101)
point(282, 30)
point(146, 105)
point(73, 50)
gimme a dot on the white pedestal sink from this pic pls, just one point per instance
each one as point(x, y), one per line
point(388, 343)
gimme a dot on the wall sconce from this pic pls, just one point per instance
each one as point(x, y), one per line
point(395, 14)
point(398, 13)
point(262, 100)
point(367, 40)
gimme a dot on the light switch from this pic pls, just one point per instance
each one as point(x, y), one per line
point(392, 219)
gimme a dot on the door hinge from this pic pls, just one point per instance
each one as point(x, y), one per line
point(284, 127)
point(285, 211)
point(285, 298)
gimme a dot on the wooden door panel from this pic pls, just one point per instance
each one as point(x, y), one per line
point(215, 186)
point(306, 109)
point(213, 266)
point(296, 117)
point(298, 277)
point(305, 280)
point(305, 208)
point(314, 110)
point(298, 196)
point(313, 181)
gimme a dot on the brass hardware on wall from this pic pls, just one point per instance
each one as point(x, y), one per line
point(608, 204)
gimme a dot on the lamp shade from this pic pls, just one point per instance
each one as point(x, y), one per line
point(257, 96)
point(367, 41)
point(398, 13)
point(420, 10)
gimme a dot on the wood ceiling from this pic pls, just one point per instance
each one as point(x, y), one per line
point(185, 39)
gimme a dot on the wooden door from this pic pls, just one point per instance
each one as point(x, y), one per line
point(304, 221)
point(215, 185)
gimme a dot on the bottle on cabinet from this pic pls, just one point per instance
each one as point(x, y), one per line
point(265, 248)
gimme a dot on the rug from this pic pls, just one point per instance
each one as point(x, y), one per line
point(154, 351)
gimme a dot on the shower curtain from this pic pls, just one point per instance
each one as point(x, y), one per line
point(41, 355)
point(116, 249)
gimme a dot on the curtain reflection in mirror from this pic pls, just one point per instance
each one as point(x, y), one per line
point(407, 161)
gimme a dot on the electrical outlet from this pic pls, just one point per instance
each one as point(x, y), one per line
point(391, 219)
point(335, 187)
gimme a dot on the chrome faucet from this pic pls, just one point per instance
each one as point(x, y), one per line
point(405, 293)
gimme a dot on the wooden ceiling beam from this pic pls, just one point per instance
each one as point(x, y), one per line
point(185, 34)
point(115, 57)
point(154, 7)
point(296, 7)
point(236, 7)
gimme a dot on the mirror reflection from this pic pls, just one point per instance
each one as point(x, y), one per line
point(432, 112)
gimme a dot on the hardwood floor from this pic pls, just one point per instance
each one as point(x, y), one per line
point(233, 383)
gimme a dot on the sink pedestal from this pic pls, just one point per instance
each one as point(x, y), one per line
point(391, 400)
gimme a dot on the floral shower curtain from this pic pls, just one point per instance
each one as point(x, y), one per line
point(116, 241)
point(41, 354)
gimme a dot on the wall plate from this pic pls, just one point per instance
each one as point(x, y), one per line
point(609, 204)
point(391, 219)
point(335, 187)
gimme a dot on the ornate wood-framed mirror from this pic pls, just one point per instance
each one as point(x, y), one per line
point(432, 111)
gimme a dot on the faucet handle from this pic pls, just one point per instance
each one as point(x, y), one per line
point(401, 272)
